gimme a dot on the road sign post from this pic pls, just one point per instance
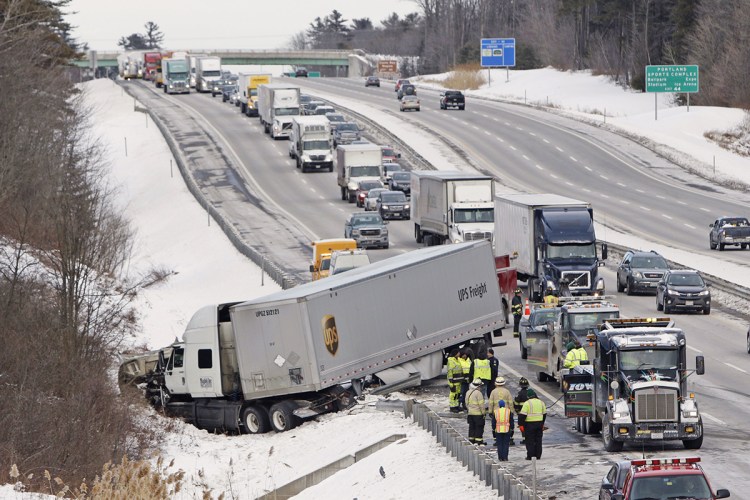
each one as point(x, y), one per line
point(672, 78)
point(498, 52)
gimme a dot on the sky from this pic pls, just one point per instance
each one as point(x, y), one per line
point(228, 24)
point(173, 233)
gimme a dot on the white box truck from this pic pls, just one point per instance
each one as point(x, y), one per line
point(356, 163)
point(175, 75)
point(191, 60)
point(270, 362)
point(310, 143)
point(551, 238)
point(248, 84)
point(278, 103)
point(207, 71)
point(452, 206)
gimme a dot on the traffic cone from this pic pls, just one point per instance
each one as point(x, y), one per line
point(527, 309)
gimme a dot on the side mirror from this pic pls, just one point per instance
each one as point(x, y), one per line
point(700, 365)
point(312, 268)
point(722, 493)
point(711, 225)
point(604, 251)
point(601, 263)
point(398, 155)
point(618, 496)
point(608, 486)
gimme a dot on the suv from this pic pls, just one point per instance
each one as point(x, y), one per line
point(660, 478)
point(400, 181)
point(372, 81)
point(683, 289)
point(406, 89)
point(393, 204)
point(367, 229)
point(640, 271)
point(301, 72)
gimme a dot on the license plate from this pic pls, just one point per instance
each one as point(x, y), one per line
point(688, 302)
point(657, 435)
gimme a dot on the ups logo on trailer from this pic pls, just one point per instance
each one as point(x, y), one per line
point(330, 334)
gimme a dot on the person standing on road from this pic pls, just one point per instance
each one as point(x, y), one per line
point(516, 307)
point(499, 394)
point(531, 422)
point(502, 428)
point(455, 377)
point(466, 359)
point(519, 400)
point(475, 403)
point(480, 369)
point(494, 369)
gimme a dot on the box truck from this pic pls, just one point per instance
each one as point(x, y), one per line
point(191, 60)
point(248, 84)
point(271, 362)
point(451, 206)
point(356, 163)
point(310, 143)
point(551, 239)
point(278, 103)
point(207, 71)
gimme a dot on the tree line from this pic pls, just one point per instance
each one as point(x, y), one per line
point(611, 37)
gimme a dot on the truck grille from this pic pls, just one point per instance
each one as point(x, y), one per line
point(653, 275)
point(317, 157)
point(478, 236)
point(286, 126)
point(656, 405)
point(370, 232)
point(577, 279)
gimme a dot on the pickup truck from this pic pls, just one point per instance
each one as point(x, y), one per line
point(452, 99)
point(725, 231)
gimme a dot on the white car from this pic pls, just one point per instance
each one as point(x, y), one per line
point(371, 199)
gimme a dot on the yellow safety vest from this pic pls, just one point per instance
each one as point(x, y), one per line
point(551, 300)
point(465, 365)
point(482, 369)
point(575, 356)
point(455, 370)
point(534, 409)
point(502, 419)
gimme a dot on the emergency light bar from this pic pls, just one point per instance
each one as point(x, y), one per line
point(665, 461)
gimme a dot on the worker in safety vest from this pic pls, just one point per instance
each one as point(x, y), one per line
point(498, 394)
point(519, 400)
point(576, 354)
point(551, 298)
point(503, 419)
point(466, 359)
point(481, 369)
point(455, 377)
point(516, 307)
point(531, 422)
point(476, 405)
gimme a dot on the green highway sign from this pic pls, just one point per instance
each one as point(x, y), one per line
point(675, 78)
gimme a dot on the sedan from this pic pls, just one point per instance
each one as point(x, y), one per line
point(367, 229)
point(363, 188)
point(400, 181)
point(683, 289)
point(613, 482)
point(372, 198)
point(373, 81)
point(393, 205)
point(410, 102)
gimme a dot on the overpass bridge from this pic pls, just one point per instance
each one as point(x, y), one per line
point(352, 62)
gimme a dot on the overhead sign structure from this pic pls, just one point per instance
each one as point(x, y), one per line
point(498, 52)
point(674, 78)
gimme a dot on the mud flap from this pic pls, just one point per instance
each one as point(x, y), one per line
point(579, 391)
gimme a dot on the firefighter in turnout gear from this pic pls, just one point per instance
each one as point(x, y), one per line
point(576, 354)
point(475, 403)
point(455, 377)
point(501, 393)
point(531, 422)
point(516, 307)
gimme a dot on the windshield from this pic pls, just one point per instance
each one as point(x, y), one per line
point(585, 321)
point(325, 263)
point(367, 220)
point(177, 76)
point(392, 168)
point(365, 186)
point(365, 171)
point(211, 73)
point(253, 92)
point(542, 316)
point(393, 197)
point(401, 176)
point(349, 262)
point(389, 152)
point(310, 145)
point(649, 359)
point(286, 111)
point(303, 98)
point(334, 118)
point(685, 280)
point(649, 263)
point(464, 215)
point(666, 485)
point(587, 251)
point(349, 127)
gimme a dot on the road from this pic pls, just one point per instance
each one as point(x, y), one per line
point(312, 200)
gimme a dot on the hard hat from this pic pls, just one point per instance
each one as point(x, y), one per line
point(518, 290)
point(570, 345)
point(499, 381)
point(531, 393)
point(549, 289)
point(477, 382)
point(501, 403)
point(523, 382)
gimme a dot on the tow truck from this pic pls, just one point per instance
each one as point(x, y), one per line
point(681, 478)
point(635, 390)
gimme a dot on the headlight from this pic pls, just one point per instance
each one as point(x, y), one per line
point(620, 414)
point(355, 232)
point(407, 206)
point(673, 292)
point(385, 207)
point(384, 231)
point(638, 275)
point(704, 292)
point(690, 414)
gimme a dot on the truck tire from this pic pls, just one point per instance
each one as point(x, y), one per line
point(343, 194)
point(351, 196)
point(282, 416)
point(255, 420)
point(721, 247)
point(243, 107)
point(542, 377)
point(609, 442)
point(418, 233)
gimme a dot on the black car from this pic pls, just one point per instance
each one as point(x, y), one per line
point(400, 181)
point(304, 101)
point(300, 72)
point(217, 87)
point(683, 289)
point(613, 482)
point(393, 205)
point(640, 271)
point(227, 91)
point(373, 81)
point(406, 89)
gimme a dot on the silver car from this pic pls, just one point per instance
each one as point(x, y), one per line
point(410, 102)
point(372, 198)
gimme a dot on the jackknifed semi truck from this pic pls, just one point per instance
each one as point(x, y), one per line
point(271, 362)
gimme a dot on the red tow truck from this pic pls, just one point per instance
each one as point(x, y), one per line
point(667, 478)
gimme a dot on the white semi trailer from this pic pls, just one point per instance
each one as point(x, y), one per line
point(278, 104)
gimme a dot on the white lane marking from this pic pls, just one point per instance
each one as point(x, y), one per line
point(712, 418)
point(507, 124)
point(621, 184)
point(625, 202)
point(513, 148)
point(482, 114)
point(587, 168)
point(559, 149)
point(341, 209)
point(499, 139)
point(475, 127)
point(705, 209)
point(660, 197)
point(681, 202)
point(496, 119)
point(545, 140)
point(526, 157)
point(539, 167)
point(688, 225)
point(321, 197)
point(331, 203)
point(519, 128)
point(303, 181)
point(603, 195)
point(553, 176)
point(532, 134)
point(666, 216)
point(313, 190)
point(573, 158)
point(646, 209)
point(587, 190)
point(487, 132)
point(604, 177)
point(569, 183)
point(694, 349)
point(641, 191)
point(735, 367)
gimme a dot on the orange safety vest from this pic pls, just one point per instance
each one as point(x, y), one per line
point(502, 417)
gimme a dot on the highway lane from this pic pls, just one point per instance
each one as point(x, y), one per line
point(631, 189)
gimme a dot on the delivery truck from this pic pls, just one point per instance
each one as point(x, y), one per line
point(552, 241)
point(248, 84)
point(278, 103)
point(356, 163)
point(310, 143)
point(207, 71)
point(271, 362)
point(452, 206)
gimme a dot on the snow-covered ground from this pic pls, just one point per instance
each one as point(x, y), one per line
point(174, 234)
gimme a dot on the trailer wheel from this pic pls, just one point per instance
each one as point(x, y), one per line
point(609, 442)
point(283, 417)
point(585, 426)
point(255, 420)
